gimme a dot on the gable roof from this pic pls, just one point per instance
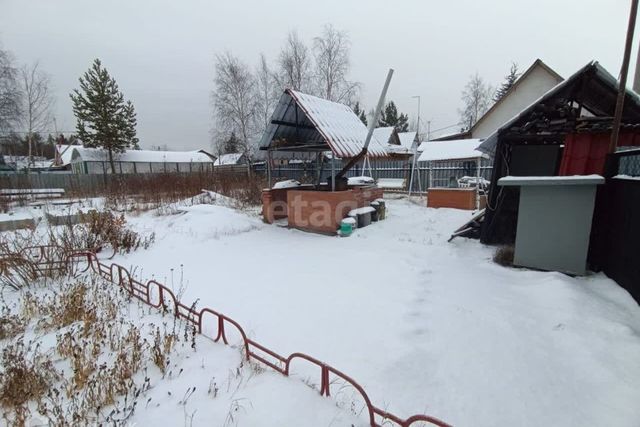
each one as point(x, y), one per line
point(228, 159)
point(459, 149)
point(407, 139)
point(305, 122)
point(595, 88)
point(538, 63)
point(387, 135)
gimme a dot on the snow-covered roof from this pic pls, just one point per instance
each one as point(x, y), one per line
point(323, 122)
point(551, 180)
point(603, 99)
point(450, 150)
point(384, 134)
point(151, 156)
point(407, 139)
point(228, 159)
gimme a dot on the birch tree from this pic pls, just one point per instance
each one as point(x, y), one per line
point(331, 53)
point(233, 99)
point(267, 94)
point(10, 96)
point(294, 64)
point(37, 103)
point(477, 100)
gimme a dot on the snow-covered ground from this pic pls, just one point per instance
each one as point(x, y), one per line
point(204, 383)
point(424, 325)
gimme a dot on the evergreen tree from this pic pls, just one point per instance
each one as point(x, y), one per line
point(231, 145)
point(390, 117)
point(509, 81)
point(105, 120)
point(360, 113)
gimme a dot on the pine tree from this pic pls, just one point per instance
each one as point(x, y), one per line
point(390, 117)
point(360, 113)
point(104, 119)
point(231, 145)
point(509, 81)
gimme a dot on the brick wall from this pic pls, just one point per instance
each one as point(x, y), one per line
point(322, 211)
point(458, 198)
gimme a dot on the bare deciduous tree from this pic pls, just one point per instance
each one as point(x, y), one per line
point(37, 102)
point(233, 99)
point(477, 97)
point(331, 53)
point(294, 64)
point(267, 94)
point(10, 96)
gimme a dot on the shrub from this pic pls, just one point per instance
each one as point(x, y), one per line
point(98, 230)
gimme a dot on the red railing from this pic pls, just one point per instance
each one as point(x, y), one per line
point(44, 257)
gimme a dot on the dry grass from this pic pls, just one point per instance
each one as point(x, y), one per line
point(98, 367)
point(99, 230)
point(144, 192)
point(27, 375)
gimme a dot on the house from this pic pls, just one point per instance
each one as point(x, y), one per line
point(409, 140)
point(538, 79)
point(230, 159)
point(96, 161)
point(566, 131)
point(387, 135)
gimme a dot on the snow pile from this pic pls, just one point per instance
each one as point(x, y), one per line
point(289, 183)
point(360, 180)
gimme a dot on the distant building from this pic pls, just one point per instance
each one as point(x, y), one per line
point(537, 80)
point(96, 161)
point(230, 159)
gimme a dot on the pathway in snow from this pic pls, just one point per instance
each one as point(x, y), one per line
point(424, 325)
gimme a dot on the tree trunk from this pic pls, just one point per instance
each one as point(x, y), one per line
point(29, 153)
point(113, 165)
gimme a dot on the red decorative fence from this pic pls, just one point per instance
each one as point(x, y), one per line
point(46, 259)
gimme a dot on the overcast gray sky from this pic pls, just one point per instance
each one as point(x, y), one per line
point(161, 52)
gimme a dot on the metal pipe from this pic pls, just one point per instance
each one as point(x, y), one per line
point(333, 175)
point(374, 119)
point(478, 163)
point(617, 118)
point(372, 125)
point(269, 166)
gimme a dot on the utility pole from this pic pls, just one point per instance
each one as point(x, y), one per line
point(617, 118)
point(415, 150)
point(636, 78)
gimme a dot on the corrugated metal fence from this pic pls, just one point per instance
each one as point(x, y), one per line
point(436, 174)
point(442, 174)
point(616, 229)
